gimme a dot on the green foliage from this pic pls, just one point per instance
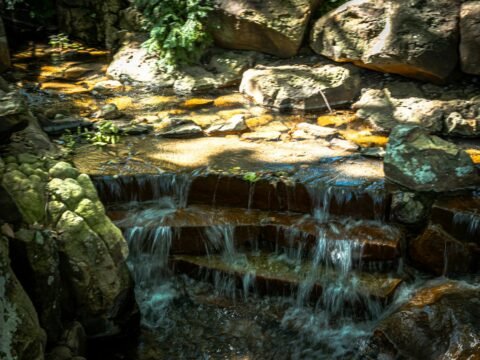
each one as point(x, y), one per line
point(178, 33)
point(251, 177)
point(107, 133)
point(70, 140)
point(59, 41)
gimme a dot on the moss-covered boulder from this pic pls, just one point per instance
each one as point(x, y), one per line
point(63, 170)
point(423, 162)
point(81, 249)
point(28, 193)
point(21, 338)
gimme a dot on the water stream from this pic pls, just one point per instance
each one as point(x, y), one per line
point(324, 310)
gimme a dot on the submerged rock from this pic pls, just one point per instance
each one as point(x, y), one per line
point(178, 128)
point(273, 27)
point(236, 124)
point(109, 112)
point(423, 162)
point(299, 87)
point(22, 337)
point(439, 322)
point(419, 40)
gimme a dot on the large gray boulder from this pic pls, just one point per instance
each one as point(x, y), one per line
point(224, 68)
point(401, 103)
point(470, 37)
point(418, 39)
point(22, 338)
point(270, 26)
point(423, 162)
point(133, 62)
point(301, 87)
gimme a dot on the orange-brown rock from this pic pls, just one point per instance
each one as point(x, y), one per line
point(459, 216)
point(269, 26)
point(439, 253)
point(439, 322)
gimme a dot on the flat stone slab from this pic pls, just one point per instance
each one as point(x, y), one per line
point(274, 277)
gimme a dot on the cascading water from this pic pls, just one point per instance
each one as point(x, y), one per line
point(324, 314)
point(148, 260)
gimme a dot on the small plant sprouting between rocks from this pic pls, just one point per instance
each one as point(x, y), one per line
point(106, 133)
point(251, 177)
point(61, 42)
point(178, 31)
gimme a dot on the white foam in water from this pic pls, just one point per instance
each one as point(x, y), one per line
point(220, 238)
point(471, 220)
point(148, 260)
point(331, 328)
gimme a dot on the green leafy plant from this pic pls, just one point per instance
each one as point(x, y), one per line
point(251, 177)
point(178, 31)
point(107, 133)
point(59, 41)
point(69, 140)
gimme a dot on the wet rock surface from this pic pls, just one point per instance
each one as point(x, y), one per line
point(445, 318)
point(459, 216)
point(256, 207)
point(419, 161)
point(438, 252)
